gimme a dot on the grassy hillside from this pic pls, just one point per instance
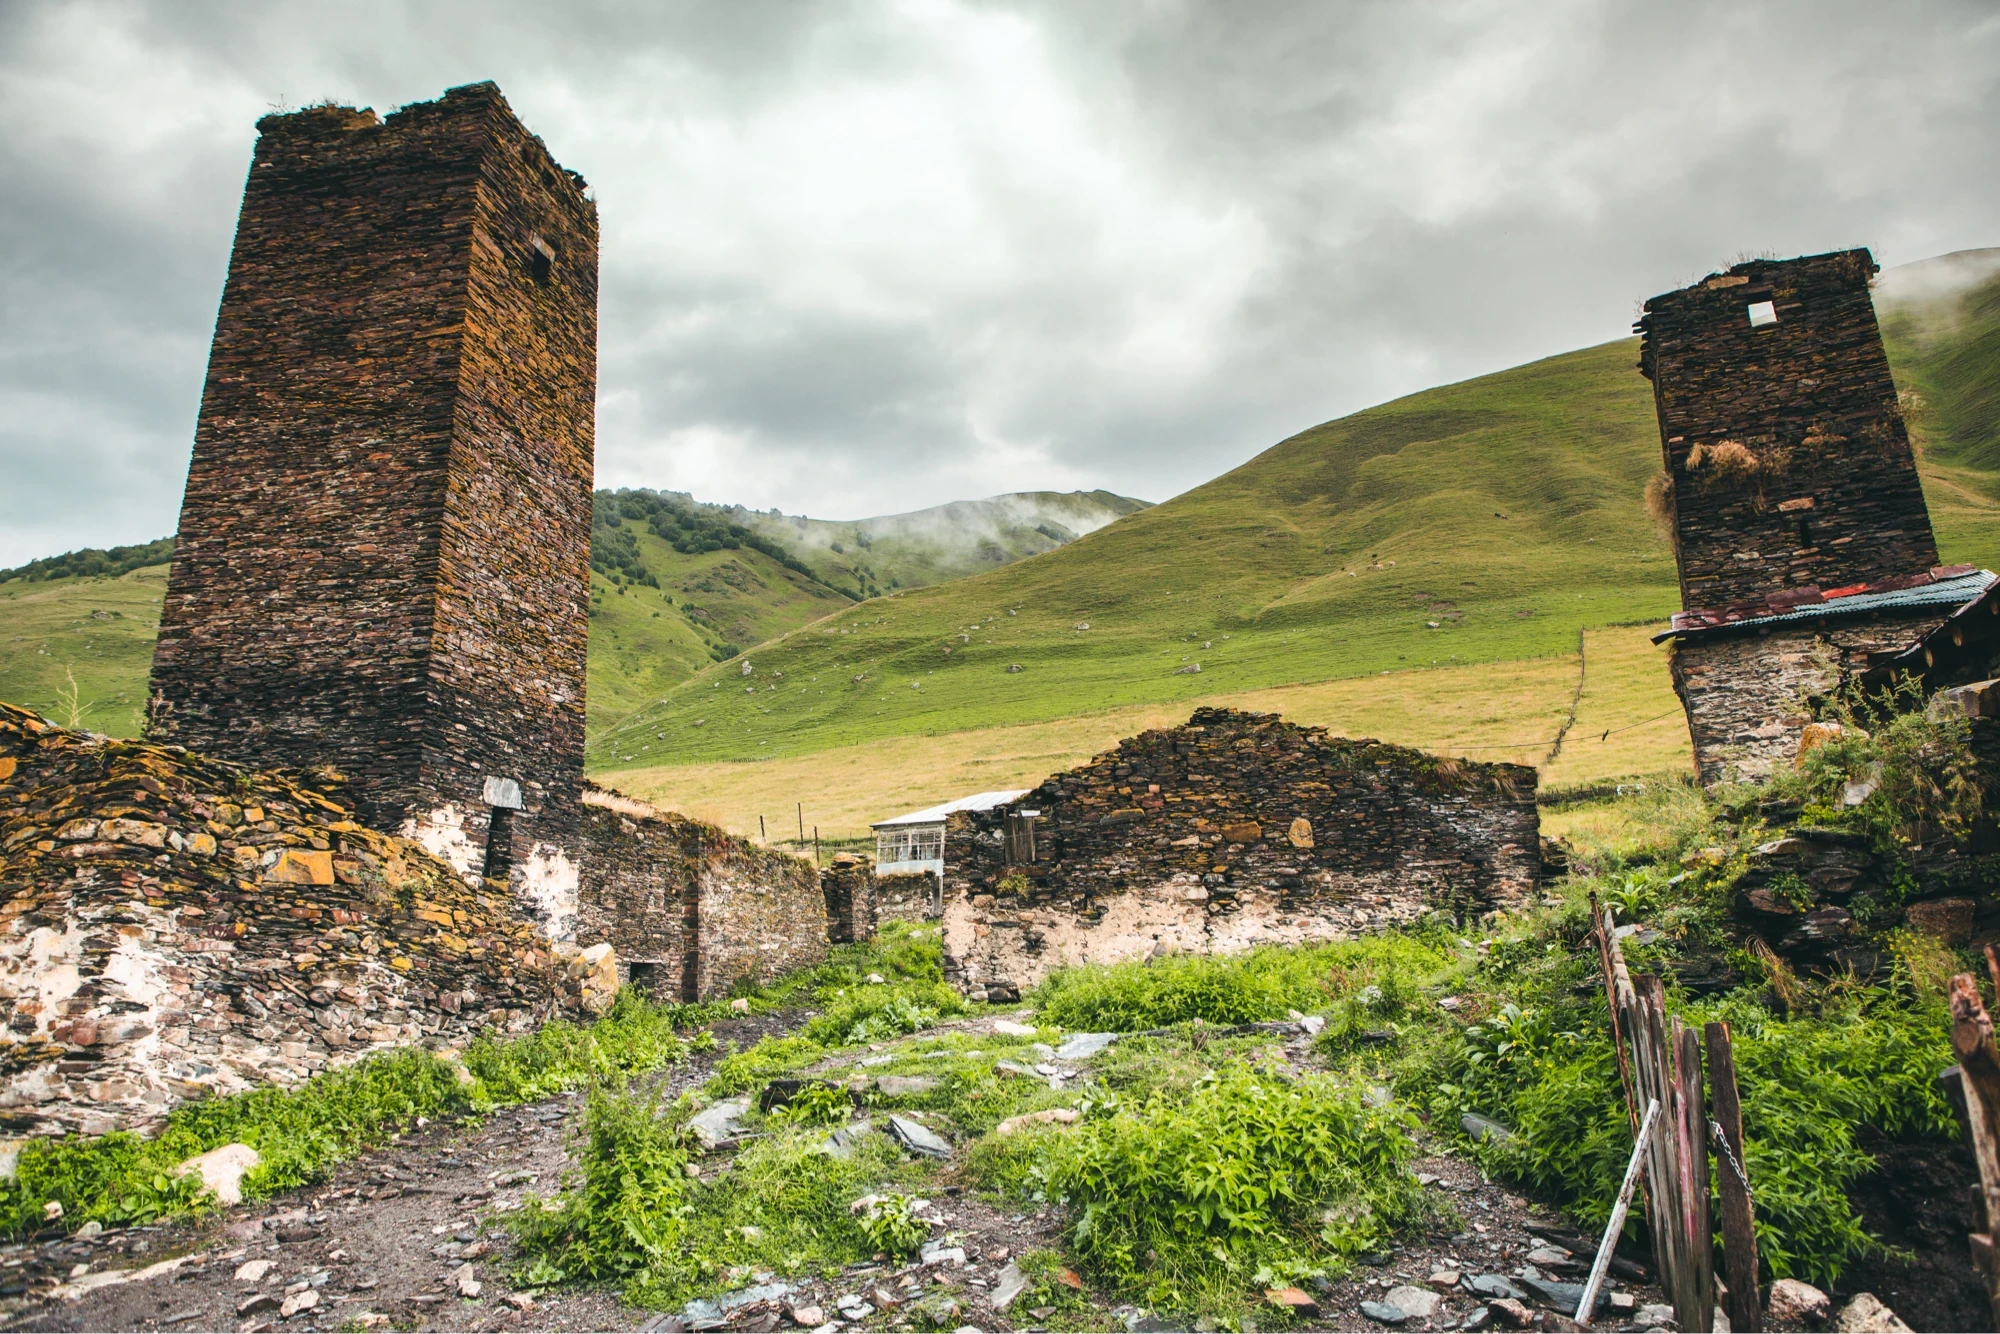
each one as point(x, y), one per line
point(1941, 323)
point(1478, 522)
point(1628, 724)
point(930, 546)
point(93, 629)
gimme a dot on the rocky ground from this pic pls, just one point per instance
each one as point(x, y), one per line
point(412, 1238)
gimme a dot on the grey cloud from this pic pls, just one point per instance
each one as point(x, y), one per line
point(865, 258)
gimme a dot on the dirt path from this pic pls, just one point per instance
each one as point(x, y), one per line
point(398, 1239)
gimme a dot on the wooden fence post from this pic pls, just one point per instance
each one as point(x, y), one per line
point(1694, 1289)
point(1739, 1230)
point(1979, 1067)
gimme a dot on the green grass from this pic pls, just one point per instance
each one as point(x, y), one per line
point(98, 630)
point(301, 1132)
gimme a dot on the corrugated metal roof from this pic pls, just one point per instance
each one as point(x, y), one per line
point(1951, 591)
point(978, 801)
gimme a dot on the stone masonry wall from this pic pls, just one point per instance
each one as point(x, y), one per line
point(174, 926)
point(1746, 692)
point(1827, 494)
point(907, 895)
point(688, 909)
point(383, 553)
point(1234, 830)
point(848, 887)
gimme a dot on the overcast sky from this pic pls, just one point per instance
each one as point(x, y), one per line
point(866, 258)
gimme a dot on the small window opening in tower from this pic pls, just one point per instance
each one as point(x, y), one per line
point(499, 844)
point(541, 258)
point(1805, 533)
point(503, 798)
point(1763, 314)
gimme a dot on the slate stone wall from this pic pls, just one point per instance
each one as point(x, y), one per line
point(909, 896)
point(173, 926)
point(1747, 692)
point(848, 888)
point(1234, 830)
point(689, 909)
point(1827, 493)
point(383, 554)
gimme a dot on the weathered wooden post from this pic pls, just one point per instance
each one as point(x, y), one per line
point(1979, 1066)
point(1739, 1232)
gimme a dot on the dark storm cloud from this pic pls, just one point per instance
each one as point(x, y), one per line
point(869, 257)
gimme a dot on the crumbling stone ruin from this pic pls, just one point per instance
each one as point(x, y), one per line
point(1804, 547)
point(690, 909)
point(177, 926)
point(380, 587)
point(849, 888)
point(1235, 830)
point(384, 547)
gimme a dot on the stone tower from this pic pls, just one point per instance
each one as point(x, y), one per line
point(1789, 462)
point(384, 548)
point(1803, 542)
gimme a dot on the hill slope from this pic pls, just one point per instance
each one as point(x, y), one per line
point(931, 546)
point(1481, 521)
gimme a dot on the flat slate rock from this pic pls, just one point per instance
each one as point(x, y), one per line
point(722, 1121)
point(1011, 1284)
point(842, 1141)
point(1494, 1285)
point(1558, 1296)
point(1080, 1045)
point(1414, 1302)
point(918, 1138)
point(904, 1086)
point(1483, 1128)
point(1384, 1314)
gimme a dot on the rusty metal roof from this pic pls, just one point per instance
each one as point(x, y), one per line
point(1947, 586)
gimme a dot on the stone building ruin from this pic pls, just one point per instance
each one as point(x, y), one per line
point(1804, 546)
point(376, 620)
point(1236, 829)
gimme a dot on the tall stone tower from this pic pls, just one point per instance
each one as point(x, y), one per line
point(1804, 545)
point(384, 549)
point(1790, 464)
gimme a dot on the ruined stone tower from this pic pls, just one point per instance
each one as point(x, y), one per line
point(384, 547)
point(1803, 542)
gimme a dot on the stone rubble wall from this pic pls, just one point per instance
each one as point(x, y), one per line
point(848, 888)
point(1746, 693)
point(1235, 830)
point(1834, 499)
point(696, 909)
point(176, 927)
point(908, 896)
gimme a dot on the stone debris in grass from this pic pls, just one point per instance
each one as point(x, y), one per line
point(937, 1253)
point(805, 1317)
point(1494, 1285)
point(917, 1138)
point(1012, 1029)
point(1865, 1314)
point(1047, 1116)
point(1443, 1278)
point(905, 1086)
point(1385, 1314)
point(1483, 1129)
point(1416, 1303)
point(221, 1170)
point(722, 1121)
point(252, 1271)
point(1010, 1284)
point(1656, 1315)
point(1292, 1299)
point(297, 1302)
point(1080, 1046)
point(1795, 1303)
point(841, 1141)
point(1512, 1312)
